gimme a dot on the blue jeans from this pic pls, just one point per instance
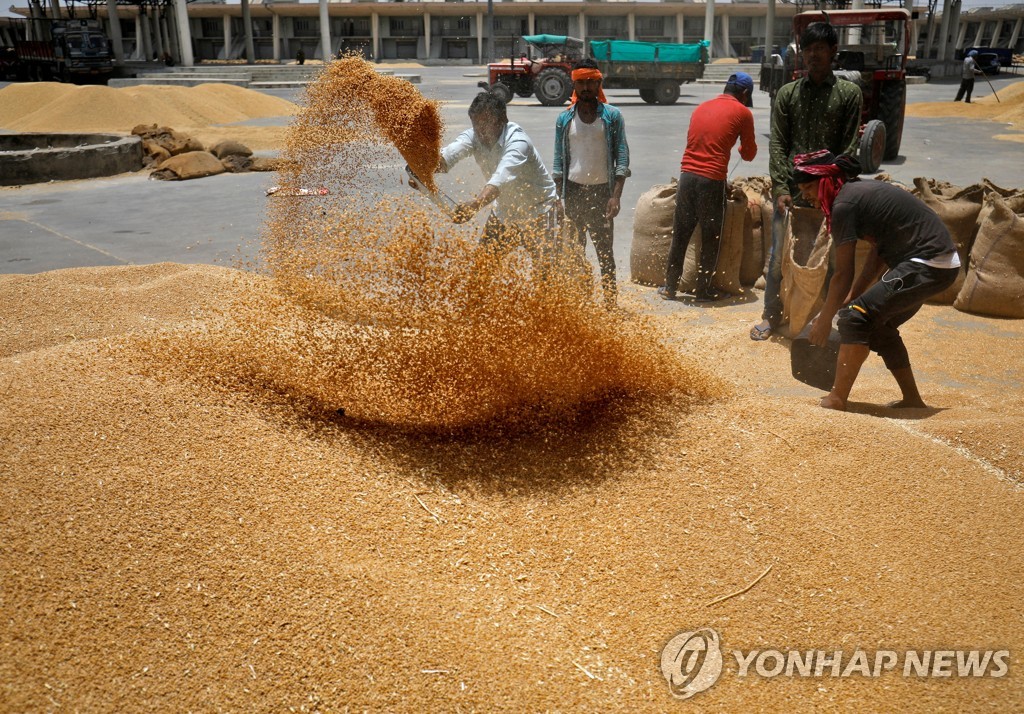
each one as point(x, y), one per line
point(773, 280)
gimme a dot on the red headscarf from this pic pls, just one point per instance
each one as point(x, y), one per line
point(588, 73)
point(831, 177)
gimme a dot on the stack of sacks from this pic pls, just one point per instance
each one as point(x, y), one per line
point(652, 238)
point(176, 156)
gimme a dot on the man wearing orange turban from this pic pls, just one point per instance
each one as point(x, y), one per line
point(591, 165)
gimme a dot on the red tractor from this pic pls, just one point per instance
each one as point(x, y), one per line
point(544, 71)
point(873, 55)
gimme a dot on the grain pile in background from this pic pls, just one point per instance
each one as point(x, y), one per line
point(1008, 108)
point(52, 107)
point(390, 311)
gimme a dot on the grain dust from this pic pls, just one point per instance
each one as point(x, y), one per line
point(370, 302)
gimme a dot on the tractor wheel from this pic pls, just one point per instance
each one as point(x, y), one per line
point(872, 146)
point(892, 98)
point(502, 91)
point(648, 95)
point(666, 91)
point(553, 87)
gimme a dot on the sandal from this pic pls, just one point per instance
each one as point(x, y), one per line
point(759, 333)
point(666, 293)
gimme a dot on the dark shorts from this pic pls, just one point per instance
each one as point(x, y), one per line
point(874, 318)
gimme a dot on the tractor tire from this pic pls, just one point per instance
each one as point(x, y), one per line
point(872, 146)
point(666, 91)
point(524, 93)
point(892, 99)
point(553, 87)
point(648, 95)
point(502, 91)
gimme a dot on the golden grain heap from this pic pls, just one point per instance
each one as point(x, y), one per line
point(370, 300)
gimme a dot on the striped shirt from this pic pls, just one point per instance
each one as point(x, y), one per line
point(808, 117)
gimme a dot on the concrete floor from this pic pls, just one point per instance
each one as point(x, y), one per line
point(129, 219)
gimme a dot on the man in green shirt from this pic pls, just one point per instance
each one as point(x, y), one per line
point(817, 111)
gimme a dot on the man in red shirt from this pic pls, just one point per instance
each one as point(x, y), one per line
point(700, 198)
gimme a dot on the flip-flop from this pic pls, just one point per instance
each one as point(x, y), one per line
point(758, 333)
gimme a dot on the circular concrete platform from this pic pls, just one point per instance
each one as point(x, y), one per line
point(35, 158)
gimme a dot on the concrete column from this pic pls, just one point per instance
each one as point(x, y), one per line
point(961, 35)
point(158, 37)
point(996, 32)
point(769, 30)
point(680, 27)
point(709, 25)
point(1015, 35)
point(724, 20)
point(979, 38)
point(325, 32)
point(953, 23)
point(184, 34)
point(172, 37)
point(631, 25)
point(139, 42)
point(944, 29)
point(531, 23)
point(583, 31)
point(426, 34)
point(275, 28)
point(375, 35)
point(911, 51)
point(854, 33)
point(227, 36)
point(116, 41)
point(164, 26)
point(147, 38)
point(55, 7)
point(250, 48)
point(480, 36)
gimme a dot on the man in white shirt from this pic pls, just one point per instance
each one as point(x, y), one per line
point(967, 73)
point(518, 183)
point(591, 166)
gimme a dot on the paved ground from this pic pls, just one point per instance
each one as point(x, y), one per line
point(129, 219)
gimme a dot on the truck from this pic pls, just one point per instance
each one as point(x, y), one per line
point(990, 59)
point(873, 55)
point(75, 50)
point(656, 70)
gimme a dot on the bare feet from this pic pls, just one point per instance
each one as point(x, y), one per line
point(908, 404)
point(833, 402)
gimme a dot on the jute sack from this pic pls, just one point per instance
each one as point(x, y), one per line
point(804, 266)
point(1013, 201)
point(959, 213)
point(935, 186)
point(767, 209)
point(730, 252)
point(995, 281)
point(194, 164)
point(652, 233)
point(229, 147)
point(757, 189)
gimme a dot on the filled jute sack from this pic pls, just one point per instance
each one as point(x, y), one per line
point(995, 282)
point(730, 251)
point(652, 238)
point(757, 189)
point(935, 186)
point(173, 142)
point(229, 147)
point(959, 213)
point(194, 164)
point(804, 266)
point(652, 234)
